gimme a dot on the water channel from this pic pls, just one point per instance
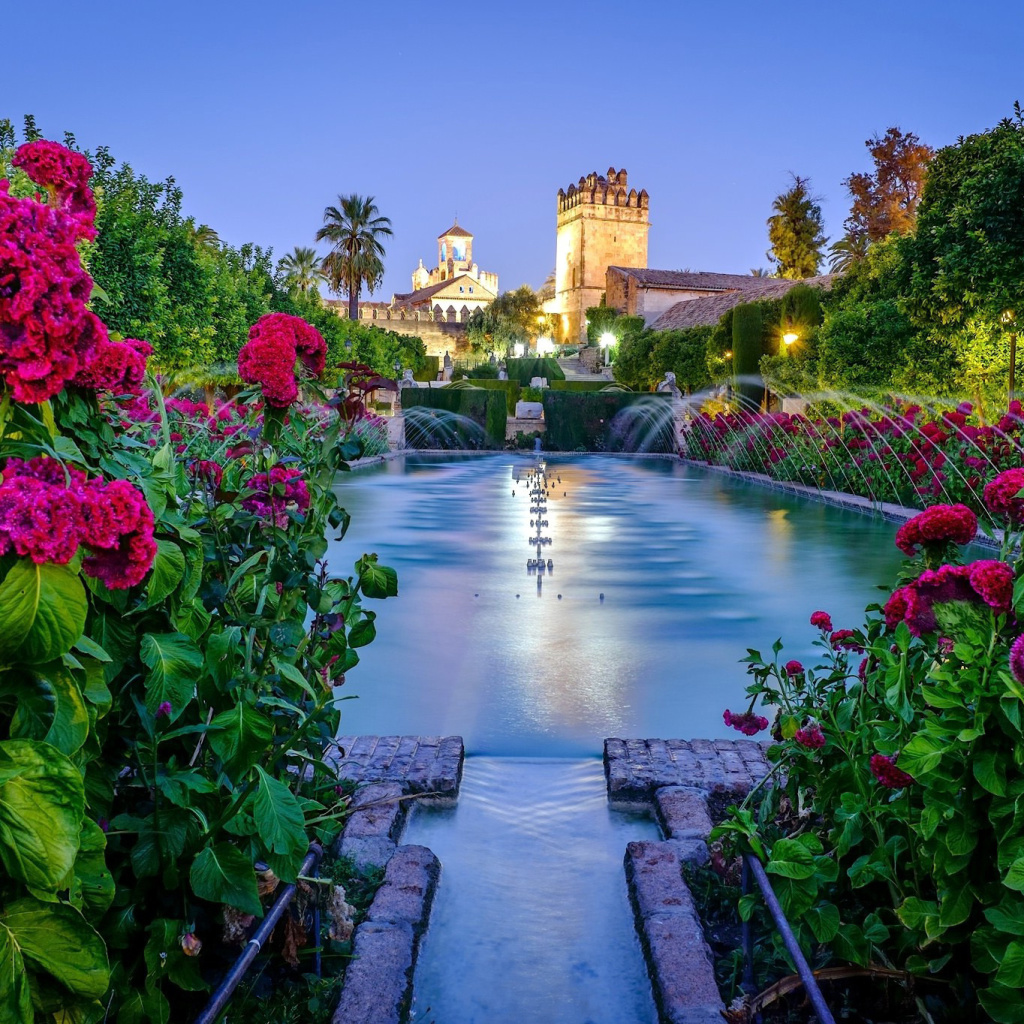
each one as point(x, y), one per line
point(662, 575)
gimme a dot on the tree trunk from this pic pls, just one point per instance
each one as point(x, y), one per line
point(353, 301)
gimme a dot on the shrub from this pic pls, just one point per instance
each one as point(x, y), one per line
point(477, 419)
point(746, 354)
point(524, 370)
point(608, 421)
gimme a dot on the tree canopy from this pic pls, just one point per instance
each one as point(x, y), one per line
point(795, 231)
point(354, 228)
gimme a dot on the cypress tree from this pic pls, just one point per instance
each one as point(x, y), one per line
point(746, 354)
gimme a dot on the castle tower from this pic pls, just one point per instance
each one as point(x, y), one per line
point(602, 223)
point(454, 251)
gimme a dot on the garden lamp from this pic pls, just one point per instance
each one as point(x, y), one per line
point(790, 336)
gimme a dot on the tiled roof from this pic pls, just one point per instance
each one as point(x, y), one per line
point(692, 279)
point(709, 309)
point(456, 231)
point(422, 294)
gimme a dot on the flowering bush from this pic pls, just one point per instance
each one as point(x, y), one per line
point(171, 644)
point(893, 828)
point(898, 455)
point(278, 343)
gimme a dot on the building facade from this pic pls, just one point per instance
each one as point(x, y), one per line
point(601, 222)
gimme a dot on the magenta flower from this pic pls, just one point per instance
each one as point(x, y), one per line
point(747, 723)
point(842, 639)
point(887, 774)
point(810, 736)
point(793, 668)
point(278, 342)
point(822, 620)
point(164, 709)
point(1001, 496)
point(936, 526)
point(1017, 659)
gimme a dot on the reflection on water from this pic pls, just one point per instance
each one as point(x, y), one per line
point(532, 921)
point(694, 568)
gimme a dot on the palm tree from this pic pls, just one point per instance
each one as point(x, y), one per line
point(203, 235)
point(301, 269)
point(354, 229)
point(847, 251)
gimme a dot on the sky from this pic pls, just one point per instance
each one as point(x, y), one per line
point(265, 112)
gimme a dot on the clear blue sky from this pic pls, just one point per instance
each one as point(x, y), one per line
point(264, 112)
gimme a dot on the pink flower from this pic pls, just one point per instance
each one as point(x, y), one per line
point(887, 774)
point(275, 493)
point(936, 526)
point(1001, 496)
point(992, 581)
point(207, 472)
point(747, 723)
point(277, 343)
point(822, 620)
point(842, 639)
point(793, 668)
point(1017, 659)
point(65, 176)
point(895, 609)
point(810, 736)
point(163, 710)
point(117, 366)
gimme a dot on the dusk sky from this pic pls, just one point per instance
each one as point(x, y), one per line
point(265, 112)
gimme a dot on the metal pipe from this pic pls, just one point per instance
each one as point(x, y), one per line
point(748, 938)
point(224, 990)
point(817, 1000)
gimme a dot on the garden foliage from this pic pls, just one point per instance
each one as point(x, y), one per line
point(458, 417)
point(171, 636)
point(524, 370)
point(608, 421)
point(893, 828)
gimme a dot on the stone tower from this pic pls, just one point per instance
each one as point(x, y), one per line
point(602, 223)
point(454, 251)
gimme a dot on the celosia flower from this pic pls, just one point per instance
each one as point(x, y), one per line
point(887, 774)
point(810, 736)
point(1017, 659)
point(895, 609)
point(747, 723)
point(842, 639)
point(793, 668)
point(1001, 496)
point(936, 526)
point(275, 493)
point(822, 620)
point(207, 472)
point(65, 176)
point(277, 344)
point(163, 709)
point(117, 366)
point(992, 581)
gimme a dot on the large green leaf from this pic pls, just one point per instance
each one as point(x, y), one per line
point(222, 874)
point(363, 632)
point(57, 939)
point(1015, 875)
point(921, 755)
point(1008, 916)
point(377, 580)
point(95, 879)
point(1001, 1003)
point(1011, 970)
point(240, 735)
point(168, 572)
point(42, 611)
point(279, 819)
point(989, 771)
point(49, 706)
point(15, 998)
point(791, 859)
point(823, 921)
point(70, 726)
point(174, 662)
point(42, 800)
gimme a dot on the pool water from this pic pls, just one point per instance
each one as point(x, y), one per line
point(663, 575)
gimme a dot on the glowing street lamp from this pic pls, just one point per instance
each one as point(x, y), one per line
point(518, 350)
point(544, 346)
point(790, 336)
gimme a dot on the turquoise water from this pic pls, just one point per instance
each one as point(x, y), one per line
point(532, 922)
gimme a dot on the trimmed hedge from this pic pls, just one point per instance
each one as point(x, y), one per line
point(486, 408)
point(579, 385)
point(512, 389)
point(430, 369)
point(524, 370)
point(603, 421)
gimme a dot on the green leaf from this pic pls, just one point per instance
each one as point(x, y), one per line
point(70, 726)
point(42, 611)
point(168, 572)
point(91, 870)
point(823, 921)
point(363, 632)
point(222, 874)
point(875, 930)
point(1008, 917)
point(916, 913)
point(989, 771)
point(955, 906)
point(174, 662)
point(279, 819)
point(240, 736)
point(921, 755)
point(1015, 875)
point(1011, 970)
point(791, 859)
point(375, 580)
point(56, 938)
point(1001, 1003)
point(15, 998)
point(165, 958)
point(42, 800)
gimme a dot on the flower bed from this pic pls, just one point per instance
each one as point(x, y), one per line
point(172, 639)
point(902, 456)
point(894, 831)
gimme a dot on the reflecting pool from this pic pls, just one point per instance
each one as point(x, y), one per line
point(662, 575)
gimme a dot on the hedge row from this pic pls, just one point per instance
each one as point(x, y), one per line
point(524, 370)
point(579, 385)
point(483, 414)
point(512, 389)
point(608, 421)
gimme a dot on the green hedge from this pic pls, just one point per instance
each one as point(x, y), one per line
point(512, 389)
point(524, 370)
point(430, 369)
point(579, 385)
point(427, 427)
point(608, 421)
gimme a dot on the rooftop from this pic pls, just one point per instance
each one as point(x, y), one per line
point(456, 231)
point(692, 279)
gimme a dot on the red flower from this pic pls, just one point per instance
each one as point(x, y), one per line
point(274, 492)
point(937, 525)
point(65, 176)
point(117, 366)
point(822, 620)
point(277, 342)
point(895, 609)
point(992, 581)
point(1017, 659)
point(747, 723)
point(1001, 496)
point(810, 736)
point(887, 774)
point(794, 668)
point(842, 639)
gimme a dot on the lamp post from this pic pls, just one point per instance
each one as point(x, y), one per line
point(606, 341)
point(789, 337)
point(1007, 319)
point(398, 368)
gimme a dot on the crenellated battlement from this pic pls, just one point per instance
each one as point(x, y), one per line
point(602, 190)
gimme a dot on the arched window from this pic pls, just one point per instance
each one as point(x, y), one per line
point(444, 252)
